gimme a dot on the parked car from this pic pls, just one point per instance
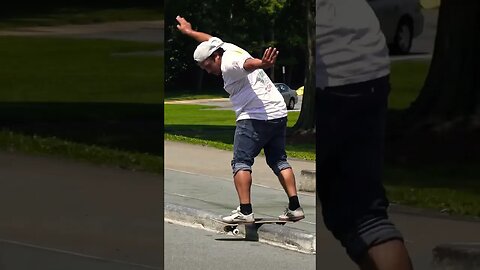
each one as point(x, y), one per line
point(400, 20)
point(289, 95)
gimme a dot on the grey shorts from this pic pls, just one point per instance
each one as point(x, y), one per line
point(251, 136)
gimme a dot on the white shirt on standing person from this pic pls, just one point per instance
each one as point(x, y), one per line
point(350, 45)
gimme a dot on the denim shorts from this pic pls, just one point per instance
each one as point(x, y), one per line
point(251, 136)
point(350, 124)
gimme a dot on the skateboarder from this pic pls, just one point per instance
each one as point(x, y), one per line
point(352, 92)
point(261, 117)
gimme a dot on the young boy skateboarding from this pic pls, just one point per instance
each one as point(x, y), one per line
point(261, 117)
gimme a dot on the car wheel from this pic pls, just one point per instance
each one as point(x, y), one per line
point(291, 104)
point(403, 37)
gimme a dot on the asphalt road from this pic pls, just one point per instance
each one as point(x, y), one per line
point(20, 256)
point(190, 248)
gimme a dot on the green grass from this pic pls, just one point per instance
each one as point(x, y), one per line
point(206, 125)
point(84, 93)
point(450, 189)
point(189, 96)
point(63, 16)
point(406, 79)
point(73, 70)
point(11, 141)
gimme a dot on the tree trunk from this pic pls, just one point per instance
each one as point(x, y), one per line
point(442, 125)
point(306, 120)
point(450, 97)
point(200, 74)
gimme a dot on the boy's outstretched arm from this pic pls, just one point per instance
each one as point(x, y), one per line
point(267, 61)
point(186, 28)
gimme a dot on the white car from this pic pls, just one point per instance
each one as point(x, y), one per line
point(400, 20)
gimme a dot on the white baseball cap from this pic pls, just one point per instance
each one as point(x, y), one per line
point(206, 48)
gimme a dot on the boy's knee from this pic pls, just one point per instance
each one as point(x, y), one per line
point(358, 240)
point(278, 166)
point(240, 166)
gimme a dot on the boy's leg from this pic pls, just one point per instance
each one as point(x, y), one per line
point(243, 184)
point(277, 157)
point(287, 180)
point(350, 132)
point(391, 255)
point(277, 160)
point(246, 147)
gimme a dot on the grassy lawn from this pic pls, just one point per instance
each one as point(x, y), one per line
point(62, 16)
point(54, 146)
point(451, 189)
point(81, 97)
point(406, 79)
point(207, 126)
point(75, 70)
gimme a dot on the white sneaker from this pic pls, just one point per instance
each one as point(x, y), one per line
point(237, 216)
point(294, 215)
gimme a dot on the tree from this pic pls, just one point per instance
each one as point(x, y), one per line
point(450, 97)
point(443, 123)
point(250, 24)
point(306, 120)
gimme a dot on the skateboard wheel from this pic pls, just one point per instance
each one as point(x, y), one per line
point(235, 231)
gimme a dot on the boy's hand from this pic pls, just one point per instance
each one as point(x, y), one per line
point(184, 26)
point(269, 57)
point(267, 61)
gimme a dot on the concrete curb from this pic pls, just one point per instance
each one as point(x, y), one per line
point(306, 182)
point(277, 235)
point(457, 256)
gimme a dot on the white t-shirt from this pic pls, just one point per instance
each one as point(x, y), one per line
point(350, 46)
point(253, 94)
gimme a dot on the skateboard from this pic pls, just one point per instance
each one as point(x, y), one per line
point(233, 227)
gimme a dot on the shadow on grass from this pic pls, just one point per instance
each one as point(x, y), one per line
point(183, 94)
point(224, 134)
point(123, 126)
point(428, 158)
point(454, 177)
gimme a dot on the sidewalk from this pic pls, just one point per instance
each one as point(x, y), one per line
point(198, 192)
point(216, 163)
point(146, 31)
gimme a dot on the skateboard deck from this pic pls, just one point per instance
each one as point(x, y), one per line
point(232, 227)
